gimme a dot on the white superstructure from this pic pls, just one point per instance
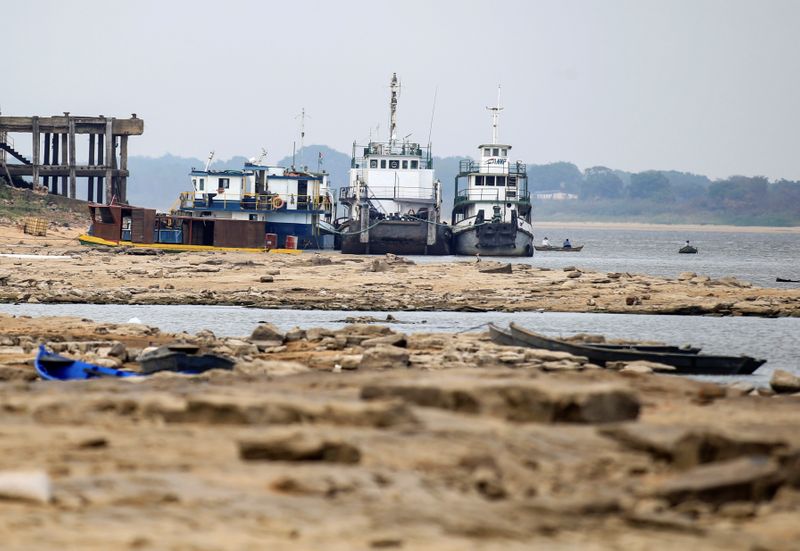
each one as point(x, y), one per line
point(394, 179)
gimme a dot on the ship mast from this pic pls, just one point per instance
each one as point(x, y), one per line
point(395, 87)
point(495, 116)
point(302, 116)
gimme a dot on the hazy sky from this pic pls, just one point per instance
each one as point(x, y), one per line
point(708, 86)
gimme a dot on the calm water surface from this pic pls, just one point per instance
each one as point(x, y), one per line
point(755, 257)
point(773, 339)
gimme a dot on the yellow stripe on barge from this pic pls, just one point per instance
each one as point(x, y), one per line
point(91, 240)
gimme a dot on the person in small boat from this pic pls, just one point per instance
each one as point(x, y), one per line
point(545, 242)
point(567, 244)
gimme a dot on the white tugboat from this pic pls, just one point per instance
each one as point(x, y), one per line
point(393, 200)
point(492, 208)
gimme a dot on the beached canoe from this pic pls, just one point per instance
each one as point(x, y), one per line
point(558, 249)
point(182, 359)
point(53, 367)
point(502, 336)
point(684, 364)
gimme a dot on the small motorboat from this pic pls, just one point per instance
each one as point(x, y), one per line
point(685, 363)
point(687, 249)
point(53, 367)
point(558, 249)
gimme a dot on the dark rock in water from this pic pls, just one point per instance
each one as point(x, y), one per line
point(753, 478)
point(502, 269)
point(784, 382)
point(267, 332)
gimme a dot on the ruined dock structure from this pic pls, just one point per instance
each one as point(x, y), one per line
point(54, 154)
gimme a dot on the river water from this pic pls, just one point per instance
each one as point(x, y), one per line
point(758, 257)
point(773, 339)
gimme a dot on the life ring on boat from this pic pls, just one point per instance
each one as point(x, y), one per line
point(277, 202)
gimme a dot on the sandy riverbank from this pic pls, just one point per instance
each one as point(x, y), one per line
point(412, 442)
point(340, 282)
point(636, 226)
point(334, 281)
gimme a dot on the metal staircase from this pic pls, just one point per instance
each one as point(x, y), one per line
point(14, 153)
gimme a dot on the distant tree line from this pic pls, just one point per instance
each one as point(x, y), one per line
point(667, 195)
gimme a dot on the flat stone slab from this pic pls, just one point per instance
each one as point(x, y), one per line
point(544, 401)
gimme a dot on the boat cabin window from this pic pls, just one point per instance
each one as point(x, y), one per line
point(202, 184)
point(489, 180)
point(383, 163)
point(373, 163)
point(405, 164)
point(496, 151)
point(224, 183)
point(505, 152)
point(414, 164)
point(394, 163)
point(500, 181)
point(478, 180)
point(194, 183)
point(487, 151)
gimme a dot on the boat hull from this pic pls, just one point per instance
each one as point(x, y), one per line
point(492, 239)
point(684, 364)
point(407, 237)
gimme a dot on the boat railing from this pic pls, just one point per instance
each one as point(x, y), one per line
point(415, 193)
point(498, 194)
point(254, 201)
point(500, 166)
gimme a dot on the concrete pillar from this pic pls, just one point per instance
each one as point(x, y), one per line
point(36, 148)
point(46, 179)
point(109, 160)
point(90, 184)
point(64, 162)
point(72, 183)
point(123, 166)
point(100, 151)
point(54, 161)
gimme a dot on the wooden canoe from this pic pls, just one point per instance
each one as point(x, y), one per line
point(502, 336)
point(559, 249)
point(684, 363)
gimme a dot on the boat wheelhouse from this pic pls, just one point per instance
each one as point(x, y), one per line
point(393, 199)
point(492, 207)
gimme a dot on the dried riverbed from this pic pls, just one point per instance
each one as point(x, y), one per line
point(367, 438)
point(339, 282)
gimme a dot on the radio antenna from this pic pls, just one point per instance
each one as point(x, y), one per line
point(495, 115)
point(433, 112)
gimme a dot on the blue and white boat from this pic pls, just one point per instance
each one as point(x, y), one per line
point(294, 205)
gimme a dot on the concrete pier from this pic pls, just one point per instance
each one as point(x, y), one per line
point(56, 155)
